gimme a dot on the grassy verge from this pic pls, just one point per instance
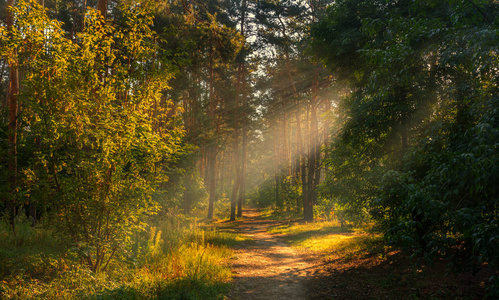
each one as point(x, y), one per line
point(356, 263)
point(331, 240)
point(176, 259)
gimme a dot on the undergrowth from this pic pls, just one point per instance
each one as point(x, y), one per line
point(178, 258)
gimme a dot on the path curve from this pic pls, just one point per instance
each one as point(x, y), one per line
point(266, 268)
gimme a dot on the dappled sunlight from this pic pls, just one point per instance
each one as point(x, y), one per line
point(333, 242)
point(266, 267)
point(148, 146)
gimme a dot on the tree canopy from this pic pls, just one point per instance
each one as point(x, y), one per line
point(115, 112)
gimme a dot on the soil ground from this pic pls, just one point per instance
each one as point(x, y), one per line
point(265, 267)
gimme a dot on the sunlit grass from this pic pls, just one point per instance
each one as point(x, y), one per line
point(178, 258)
point(330, 239)
point(356, 262)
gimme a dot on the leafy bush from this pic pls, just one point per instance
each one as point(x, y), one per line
point(96, 157)
point(418, 145)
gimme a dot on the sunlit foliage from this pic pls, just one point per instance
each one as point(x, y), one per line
point(87, 127)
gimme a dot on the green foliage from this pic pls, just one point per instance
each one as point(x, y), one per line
point(26, 235)
point(331, 210)
point(87, 122)
point(264, 195)
point(287, 198)
point(185, 187)
point(447, 202)
point(418, 144)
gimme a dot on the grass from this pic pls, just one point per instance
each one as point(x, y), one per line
point(330, 239)
point(178, 258)
point(356, 263)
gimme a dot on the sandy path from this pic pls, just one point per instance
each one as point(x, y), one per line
point(265, 267)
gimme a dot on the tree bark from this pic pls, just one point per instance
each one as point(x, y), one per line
point(212, 148)
point(236, 165)
point(237, 181)
point(313, 167)
point(313, 154)
point(211, 167)
point(242, 78)
point(102, 8)
point(13, 91)
point(242, 185)
point(276, 166)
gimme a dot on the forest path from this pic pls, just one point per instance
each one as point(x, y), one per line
point(265, 267)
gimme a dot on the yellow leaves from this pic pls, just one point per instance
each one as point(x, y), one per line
point(89, 100)
point(179, 109)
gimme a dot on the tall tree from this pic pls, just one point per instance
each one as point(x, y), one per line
point(284, 27)
point(242, 93)
point(208, 41)
point(12, 95)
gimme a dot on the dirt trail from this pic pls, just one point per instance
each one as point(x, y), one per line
point(265, 267)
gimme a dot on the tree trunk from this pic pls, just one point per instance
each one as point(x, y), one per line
point(313, 166)
point(237, 171)
point(13, 91)
point(102, 8)
point(212, 148)
point(236, 185)
point(276, 166)
point(303, 169)
point(242, 187)
point(313, 154)
point(211, 167)
point(326, 128)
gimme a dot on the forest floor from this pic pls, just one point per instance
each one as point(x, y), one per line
point(266, 266)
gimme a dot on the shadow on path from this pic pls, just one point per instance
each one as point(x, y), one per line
point(265, 267)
